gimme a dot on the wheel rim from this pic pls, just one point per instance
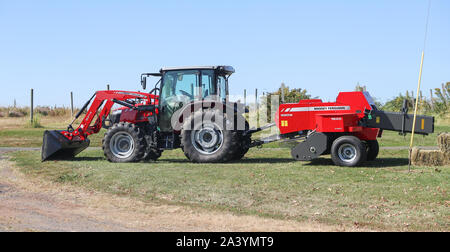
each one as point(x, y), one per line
point(122, 145)
point(207, 140)
point(347, 152)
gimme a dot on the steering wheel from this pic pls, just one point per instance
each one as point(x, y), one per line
point(186, 94)
point(175, 100)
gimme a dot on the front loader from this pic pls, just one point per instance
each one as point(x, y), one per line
point(189, 109)
point(63, 144)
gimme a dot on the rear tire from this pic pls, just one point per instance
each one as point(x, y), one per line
point(372, 149)
point(244, 142)
point(348, 151)
point(204, 138)
point(124, 142)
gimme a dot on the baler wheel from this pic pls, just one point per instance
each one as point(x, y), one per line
point(348, 151)
point(124, 142)
point(372, 149)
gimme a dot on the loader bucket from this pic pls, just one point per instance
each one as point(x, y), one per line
point(56, 146)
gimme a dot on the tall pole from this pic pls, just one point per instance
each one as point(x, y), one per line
point(418, 88)
point(245, 97)
point(31, 107)
point(282, 92)
point(107, 86)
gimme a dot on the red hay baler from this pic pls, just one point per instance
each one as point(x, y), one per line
point(347, 128)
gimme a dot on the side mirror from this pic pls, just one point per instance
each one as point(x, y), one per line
point(144, 82)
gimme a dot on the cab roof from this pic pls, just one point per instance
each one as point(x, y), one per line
point(227, 69)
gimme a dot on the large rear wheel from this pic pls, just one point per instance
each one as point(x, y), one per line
point(244, 142)
point(204, 138)
point(124, 142)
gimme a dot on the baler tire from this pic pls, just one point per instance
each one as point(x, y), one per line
point(355, 150)
point(373, 149)
point(225, 152)
point(138, 141)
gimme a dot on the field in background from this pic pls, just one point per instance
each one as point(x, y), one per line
point(17, 132)
point(381, 195)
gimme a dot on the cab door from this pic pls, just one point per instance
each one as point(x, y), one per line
point(178, 88)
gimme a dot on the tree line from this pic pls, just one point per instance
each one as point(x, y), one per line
point(437, 103)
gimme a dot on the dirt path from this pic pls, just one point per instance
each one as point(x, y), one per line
point(29, 204)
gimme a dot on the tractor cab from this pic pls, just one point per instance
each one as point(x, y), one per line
point(179, 86)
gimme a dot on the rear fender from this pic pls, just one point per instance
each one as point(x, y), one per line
point(231, 109)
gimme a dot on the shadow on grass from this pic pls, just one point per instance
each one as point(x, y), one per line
point(242, 161)
point(377, 163)
point(87, 159)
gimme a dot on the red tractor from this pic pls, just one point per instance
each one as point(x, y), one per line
point(145, 125)
point(189, 109)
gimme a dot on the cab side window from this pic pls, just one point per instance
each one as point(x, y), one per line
point(208, 87)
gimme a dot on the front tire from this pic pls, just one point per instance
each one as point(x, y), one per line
point(348, 151)
point(124, 142)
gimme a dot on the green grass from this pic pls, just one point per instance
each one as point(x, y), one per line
point(391, 138)
point(381, 195)
point(32, 137)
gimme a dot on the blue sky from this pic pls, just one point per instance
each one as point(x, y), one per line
point(323, 46)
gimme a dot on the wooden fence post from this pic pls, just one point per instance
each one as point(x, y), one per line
point(71, 104)
point(245, 97)
point(257, 108)
point(31, 107)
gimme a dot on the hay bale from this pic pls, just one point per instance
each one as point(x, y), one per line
point(42, 110)
point(15, 114)
point(422, 157)
point(444, 142)
point(2, 114)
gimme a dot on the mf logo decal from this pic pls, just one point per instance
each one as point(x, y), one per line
point(321, 108)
